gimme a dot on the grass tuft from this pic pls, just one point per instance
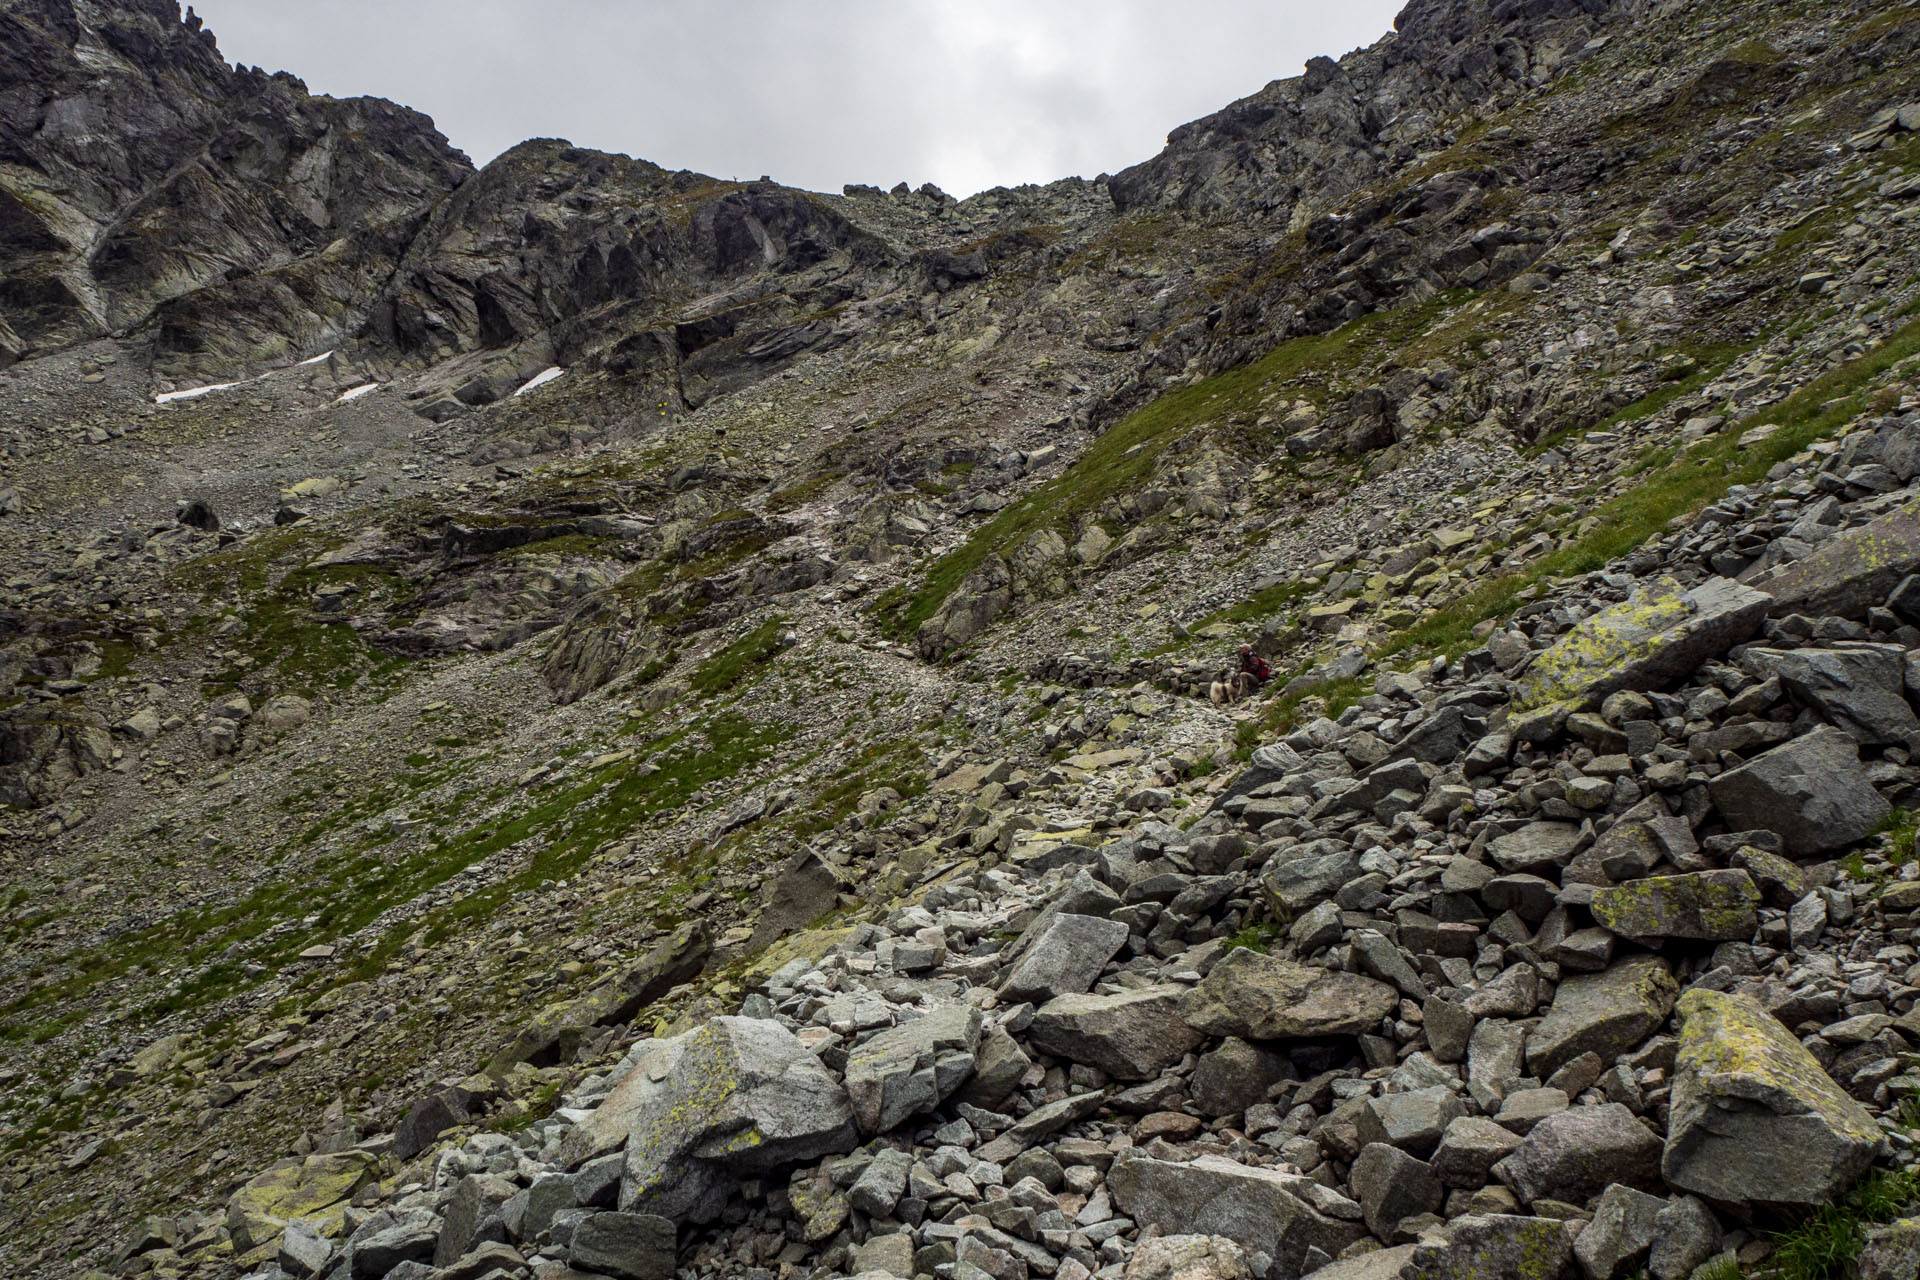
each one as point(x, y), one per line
point(1826, 1244)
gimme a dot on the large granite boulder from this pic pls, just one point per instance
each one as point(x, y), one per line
point(912, 1068)
point(1603, 1013)
point(1132, 1036)
point(737, 1097)
point(1811, 791)
point(1861, 689)
point(1263, 997)
point(1849, 573)
point(1280, 1214)
point(1710, 906)
point(1665, 631)
point(1064, 959)
point(1756, 1122)
point(315, 1189)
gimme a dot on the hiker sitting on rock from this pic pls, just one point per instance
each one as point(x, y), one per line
point(1253, 672)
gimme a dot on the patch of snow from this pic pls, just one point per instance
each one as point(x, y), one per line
point(354, 393)
point(313, 359)
point(168, 397)
point(540, 379)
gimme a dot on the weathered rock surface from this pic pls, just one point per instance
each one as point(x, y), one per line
point(1133, 1036)
point(1603, 1013)
point(738, 1096)
point(1260, 1209)
point(1065, 958)
point(1262, 997)
point(1811, 791)
point(912, 1068)
point(1851, 573)
point(1660, 635)
point(1756, 1120)
point(1710, 906)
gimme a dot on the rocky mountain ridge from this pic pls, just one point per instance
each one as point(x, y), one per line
point(466, 646)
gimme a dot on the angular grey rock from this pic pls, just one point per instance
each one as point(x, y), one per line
point(1861, 689)
point(913, 1067)
point(1412, 1121)
point(1235, 1076)
point(1755, 1119)
point(1041, 1121)
point(1064, 959)
point(1523, 1109)
point(1383, 960)
point(881, 1185)
point(626, 1246)
point(429, 1117)
point(472, 1216)
point(1294, 885)
point(1449, 1026)
point(1710, 906)
point(596, 1185)
point(1539, 848)
point(547, 1195)
point(1891, 1252)
point(1575, 1154)
point(1811, 791)
point(1641, 840)
point(487, 1262)
point(1850, 573)
point(890, 1254)
point(1263, 1210)
point(1495, 1052)
point(1469, 1149)
point(303, 1251)
point(1320, 927)
point(803, 890)
point(1665, 631)
point(1263, 997)
point(374, 1256)
point(1375, 1264)
point(1393, 1185)
point(1782, 882)
point(1603, 1013)
point(1506, 1246)
point(997, 1070)
point(1618, 1240)
point(1439, 738)
point(1188, 1257)
point(1685, 1235)
point(737, 1096)
point(1132, 1036)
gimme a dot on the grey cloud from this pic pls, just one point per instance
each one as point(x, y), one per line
point(967, 95)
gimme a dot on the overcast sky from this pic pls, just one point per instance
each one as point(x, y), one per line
point(967, 94)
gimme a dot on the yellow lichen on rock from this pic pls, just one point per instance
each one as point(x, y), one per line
point(316, 1189)
point(1755, 1119)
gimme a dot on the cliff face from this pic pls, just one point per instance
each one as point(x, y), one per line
point(1300, 147)
point(229, 219)
point(152, 188)
point(457, 620)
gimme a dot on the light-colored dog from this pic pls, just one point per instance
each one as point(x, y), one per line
point(1230, 688)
